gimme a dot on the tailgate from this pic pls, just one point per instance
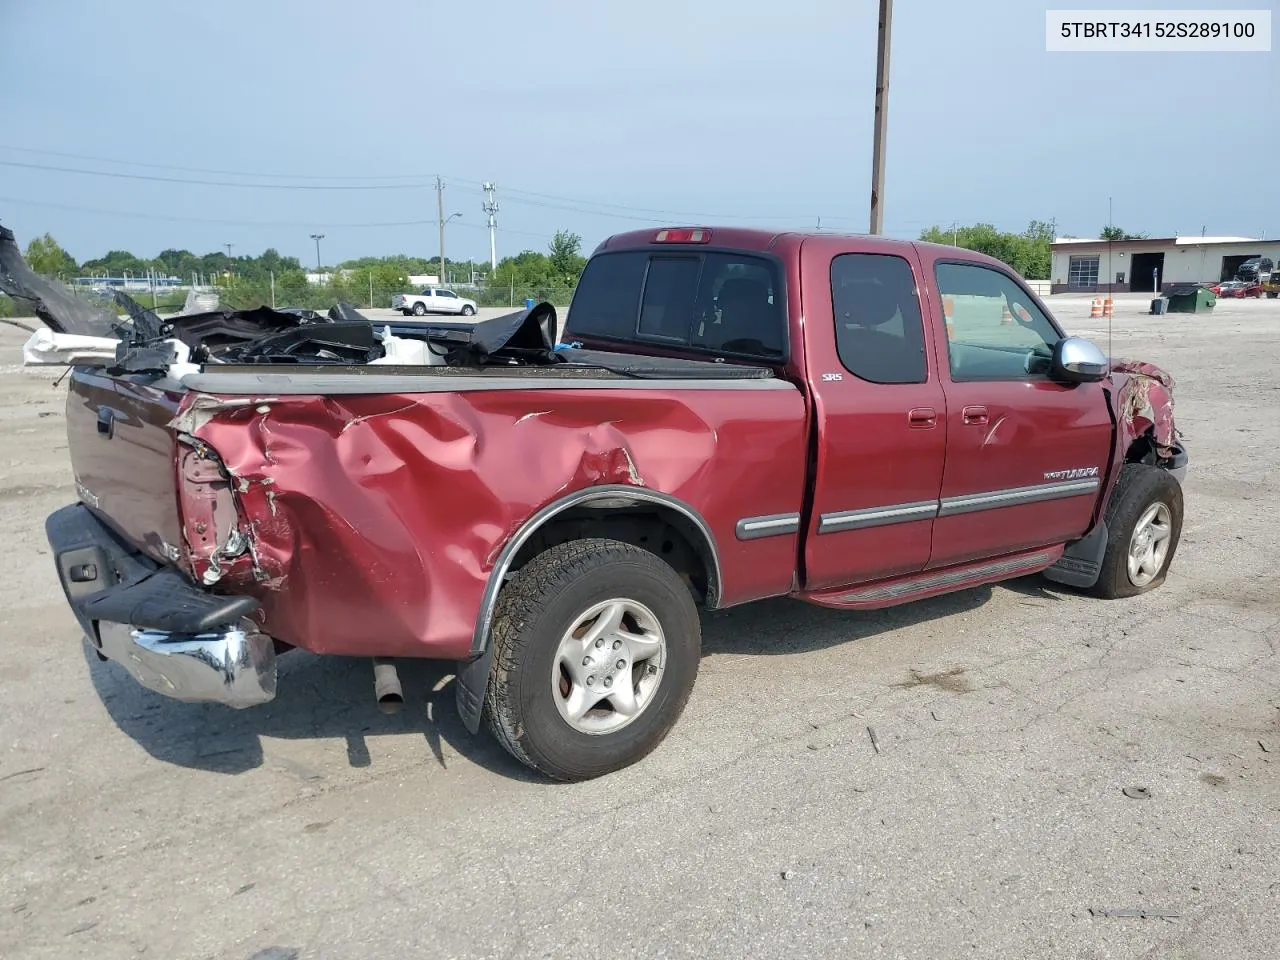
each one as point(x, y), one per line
point(122, 454)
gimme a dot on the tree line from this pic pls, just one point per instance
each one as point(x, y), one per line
point(247, 281)
point(270, 277)
point(1027, 252)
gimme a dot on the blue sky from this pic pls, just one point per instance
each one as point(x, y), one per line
point(600, 117)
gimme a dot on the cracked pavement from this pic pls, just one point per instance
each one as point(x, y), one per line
point(991, 822)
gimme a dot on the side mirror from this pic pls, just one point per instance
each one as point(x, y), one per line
point(1076, 360)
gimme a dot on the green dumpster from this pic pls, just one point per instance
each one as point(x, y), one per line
point(1190, 298)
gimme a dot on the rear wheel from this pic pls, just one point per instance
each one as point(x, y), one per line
point(419, 310)
point(596, 646)
point(1144, 524)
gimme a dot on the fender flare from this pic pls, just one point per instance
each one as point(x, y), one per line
point(473, 675)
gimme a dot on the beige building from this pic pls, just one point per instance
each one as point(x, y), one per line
point(1144, 266)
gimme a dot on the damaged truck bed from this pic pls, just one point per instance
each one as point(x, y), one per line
point(551, 515)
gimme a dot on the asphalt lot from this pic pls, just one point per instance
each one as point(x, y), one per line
point(989, 823)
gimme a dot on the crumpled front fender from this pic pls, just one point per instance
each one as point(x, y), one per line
point(1144, 405)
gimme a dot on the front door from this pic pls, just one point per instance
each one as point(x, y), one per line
point(880, 412)
point(1025, 455)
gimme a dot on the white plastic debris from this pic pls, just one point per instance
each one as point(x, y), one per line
point(44, 348)
point(404, 352)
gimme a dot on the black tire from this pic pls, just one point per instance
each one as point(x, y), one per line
point(468, 311)
point(406, 312)
point(1272, 296)
point(534, 611)
point(419, 310)
point(1140, 485)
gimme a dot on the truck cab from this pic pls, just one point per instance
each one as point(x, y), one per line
point(948, 427)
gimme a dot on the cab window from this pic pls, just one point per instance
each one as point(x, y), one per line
point(712, 302)
point(879, 327)
point(994, 329)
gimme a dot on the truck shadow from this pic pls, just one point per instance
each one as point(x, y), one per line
point(331, 698)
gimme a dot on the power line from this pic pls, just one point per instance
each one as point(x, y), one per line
point(529, 197)
point(228, 173)
point(281, 224)
point(121, 175)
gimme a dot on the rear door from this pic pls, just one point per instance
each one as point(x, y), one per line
point(1025, 455)
point(880, 414)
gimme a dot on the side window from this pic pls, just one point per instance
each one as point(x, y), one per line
point(879, 330)
point(448, 294)
point(995, 331)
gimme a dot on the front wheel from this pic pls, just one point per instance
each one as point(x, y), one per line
point(1144, 524)
point(596, 646)
point(468, 310)
point(1272, 296)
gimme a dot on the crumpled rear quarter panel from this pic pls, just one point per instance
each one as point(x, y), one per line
point(374, 521)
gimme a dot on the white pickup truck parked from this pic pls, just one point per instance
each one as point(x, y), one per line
point(432, 300)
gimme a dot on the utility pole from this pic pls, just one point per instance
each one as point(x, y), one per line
point(882, 118)
point(317, 237)
point(491, 209)
point(440, 221)
point(228, 246)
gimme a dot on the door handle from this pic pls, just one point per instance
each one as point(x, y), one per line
point(922, 418)
point(975, 415)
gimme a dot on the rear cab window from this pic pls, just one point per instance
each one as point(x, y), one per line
point(701, 301)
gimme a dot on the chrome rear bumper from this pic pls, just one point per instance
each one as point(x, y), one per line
point(234, 666)
point(172, 635)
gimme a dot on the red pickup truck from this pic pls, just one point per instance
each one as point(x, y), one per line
point(728, 415)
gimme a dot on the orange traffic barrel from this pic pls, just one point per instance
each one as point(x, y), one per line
point(1108, 308)
point(1095, 311)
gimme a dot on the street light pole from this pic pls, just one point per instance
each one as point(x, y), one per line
point(882, 118)
point(317, 237)
point(443, 222)
point(440, 221)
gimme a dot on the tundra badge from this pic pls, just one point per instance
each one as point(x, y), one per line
point(1077, 473)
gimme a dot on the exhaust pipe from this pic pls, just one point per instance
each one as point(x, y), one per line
point(386, 685)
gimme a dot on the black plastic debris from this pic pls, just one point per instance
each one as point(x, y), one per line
point(60, 311)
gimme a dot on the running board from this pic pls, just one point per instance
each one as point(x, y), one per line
point(930, 583)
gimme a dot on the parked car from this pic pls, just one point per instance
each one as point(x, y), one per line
point(1272, 285)
point(433, 300)
point(1240, 289)
point(733, 414)
point(1255, 269)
